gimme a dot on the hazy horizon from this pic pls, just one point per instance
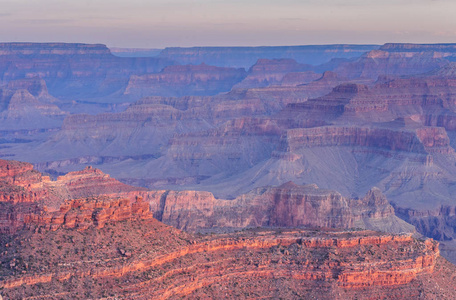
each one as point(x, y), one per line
point(192, 23)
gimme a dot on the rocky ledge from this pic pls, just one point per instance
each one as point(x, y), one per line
point(148, 260)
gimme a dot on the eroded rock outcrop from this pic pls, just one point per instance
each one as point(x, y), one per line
point(26, 103)
point(288, 205)
point(86, 183)
point(20, 183)
point(27, 197)
point(352, 136)
point(93, 211)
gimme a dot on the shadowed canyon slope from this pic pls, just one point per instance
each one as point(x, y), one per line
point(97, 245)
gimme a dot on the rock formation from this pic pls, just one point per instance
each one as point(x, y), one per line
point(27, 196)
point(73, 70)
point(81, 197)
point(268, 72)
point(386, 119)
point(86, 183)
point(26, 104)
point(398, 59)
point(98, 244)
point(245, 57)
point(185, 80)
point(145, 259)
point(288, 205)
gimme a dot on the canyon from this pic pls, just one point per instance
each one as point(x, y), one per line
point(243, 149)
point(78, 198)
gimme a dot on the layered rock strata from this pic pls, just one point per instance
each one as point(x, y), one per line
point(111, 246)
point(268, 72)
point(73, 70)
point(27, 197)
point(185, 80)
point(288, 205)
point(399, 60)
point(247, 56)
point(145, 259)
point(26, 104)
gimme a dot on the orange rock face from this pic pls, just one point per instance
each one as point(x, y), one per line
point(19, 182)
point(83, 213)
point(27, 198)
point(147, 260)
point(86, 183)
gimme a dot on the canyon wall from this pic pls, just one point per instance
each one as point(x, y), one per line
point(245, 57)
point(185, 80)
point(288, 205)
point(73, 70)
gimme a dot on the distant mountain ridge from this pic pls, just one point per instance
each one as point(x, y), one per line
point(245, 57)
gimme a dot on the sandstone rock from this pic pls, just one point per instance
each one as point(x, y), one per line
point(350, 264)
point(83, 240)
point(27, 198)
point(288, 205)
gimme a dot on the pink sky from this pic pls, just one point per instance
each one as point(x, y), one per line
point(162, 23)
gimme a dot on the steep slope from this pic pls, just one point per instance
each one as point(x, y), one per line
point(145, 129)
point(289, 205)
point(392, 126)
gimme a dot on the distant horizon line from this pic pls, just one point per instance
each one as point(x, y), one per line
point(230, 46)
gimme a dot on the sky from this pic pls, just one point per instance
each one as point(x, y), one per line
point(185, 23)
